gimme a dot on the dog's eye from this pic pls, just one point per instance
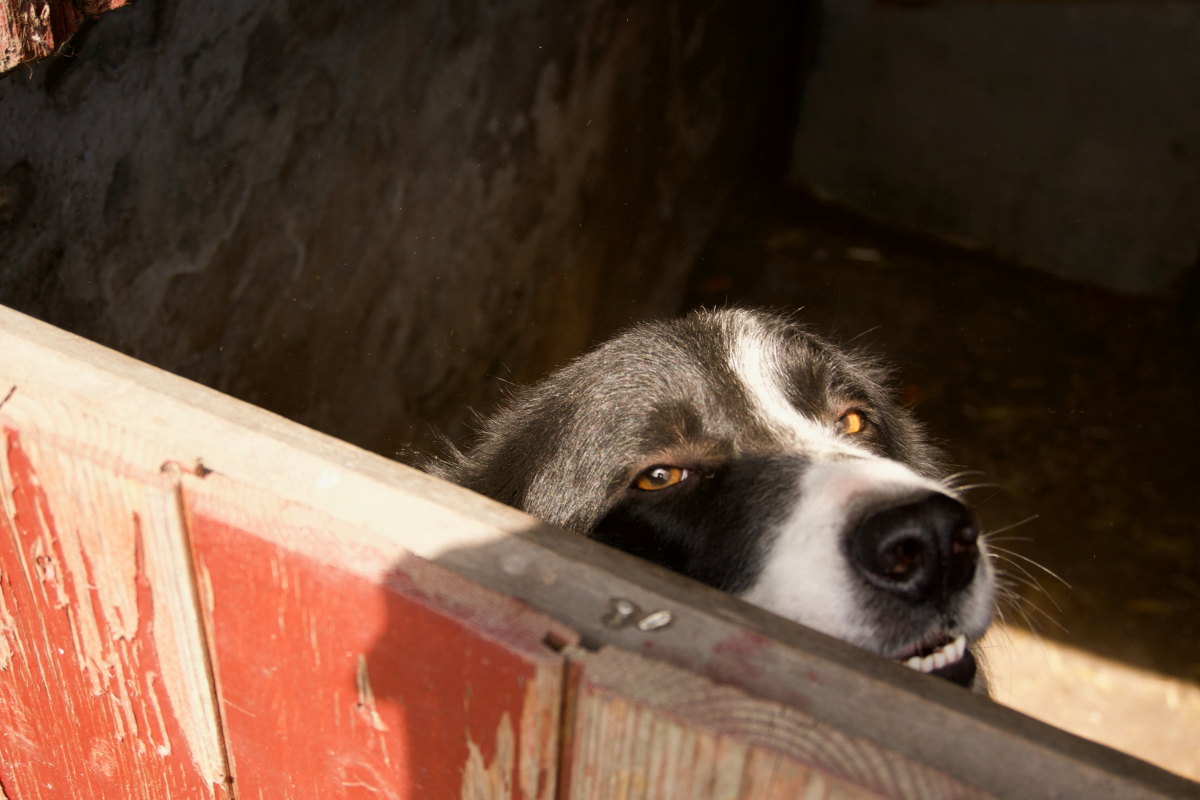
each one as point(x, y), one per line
point(851, 422)
point(660, 478)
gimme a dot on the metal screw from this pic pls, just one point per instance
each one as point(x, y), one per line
point(656, 621)
point(624, 613)
point(621, 613)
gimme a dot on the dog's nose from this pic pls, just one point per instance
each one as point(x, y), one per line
point(924, 551)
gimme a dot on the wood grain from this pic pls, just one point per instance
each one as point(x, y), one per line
point(644, 729)
point(353, 677)
point(104, 689)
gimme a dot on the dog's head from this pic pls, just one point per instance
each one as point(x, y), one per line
point(738, 449)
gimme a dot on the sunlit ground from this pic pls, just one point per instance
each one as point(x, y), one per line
point(1153, 717)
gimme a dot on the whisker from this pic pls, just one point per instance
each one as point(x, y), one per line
point(1000, 613)
point(1028, 560)
point(1033, 584)
point(1019, 604)
point(1017, 580)
point(1049, 618)
point(1029, 580)
point(1015, 604)
point(972, 486)
point(1005, 583)
point(990, 534)
point(950, 479)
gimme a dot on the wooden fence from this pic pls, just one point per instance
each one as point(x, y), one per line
point(201, 599)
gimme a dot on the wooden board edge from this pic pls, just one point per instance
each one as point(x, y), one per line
point(567, 577)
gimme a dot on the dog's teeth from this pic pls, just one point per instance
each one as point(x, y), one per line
point(944, 655)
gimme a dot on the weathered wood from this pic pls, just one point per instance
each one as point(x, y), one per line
point(33, 29)
point(394, 510)
point(644, 729)
point(342, 673)
point(931, 721)
point(104, 691)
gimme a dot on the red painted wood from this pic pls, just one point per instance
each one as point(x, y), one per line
point(405, 682)
point(83, 710)
point(32, 30)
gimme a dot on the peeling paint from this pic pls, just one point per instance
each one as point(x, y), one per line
point(102, 758)
point(366, 706)
point(9, 639)
point(86, 554)
point(6, 486)
point(164, 747)
point(349, 773)
point(312, 638)
point(482, 782)
point(366, 696)
point(538, 757)
point(111, 626)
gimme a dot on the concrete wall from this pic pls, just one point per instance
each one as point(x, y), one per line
point(1063, 135)
point(364, 215)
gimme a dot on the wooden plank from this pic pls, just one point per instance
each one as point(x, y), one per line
point(644, 729)
point(573, 579)
point(34, 29)
point(930, 721)
point(363, 676)
point(104, 691)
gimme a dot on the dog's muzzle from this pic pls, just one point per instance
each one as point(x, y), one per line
point(925, 553)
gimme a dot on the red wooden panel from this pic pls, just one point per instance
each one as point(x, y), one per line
point(89, 698)
point(345, 671)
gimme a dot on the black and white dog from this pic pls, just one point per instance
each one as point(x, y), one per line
point(739, 449)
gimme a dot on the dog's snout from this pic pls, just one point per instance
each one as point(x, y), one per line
point(924, 551)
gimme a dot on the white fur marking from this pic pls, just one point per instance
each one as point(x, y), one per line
point(806, 577)
point(755, 360)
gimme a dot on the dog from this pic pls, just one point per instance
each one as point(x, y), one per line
point(738, 448)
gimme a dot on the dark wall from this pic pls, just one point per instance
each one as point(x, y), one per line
point(1059, 135)
point(365, 215)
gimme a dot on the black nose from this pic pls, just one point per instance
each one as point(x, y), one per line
point(924, 551)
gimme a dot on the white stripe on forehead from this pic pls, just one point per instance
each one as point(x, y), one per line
point(755, 358)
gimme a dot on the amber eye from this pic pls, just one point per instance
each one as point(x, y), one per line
point(852, 422)
point(660, 478)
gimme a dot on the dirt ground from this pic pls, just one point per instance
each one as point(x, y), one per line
point(1076, 406)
